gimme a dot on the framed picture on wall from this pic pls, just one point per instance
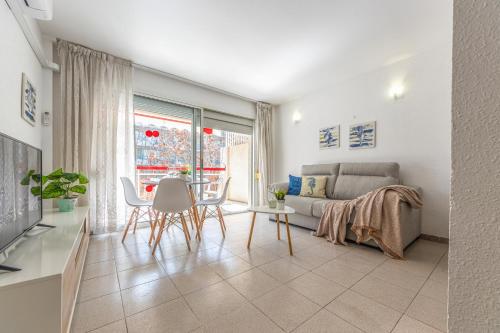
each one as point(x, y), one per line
point(28, 101)
point(329, 137)
point(362, 135)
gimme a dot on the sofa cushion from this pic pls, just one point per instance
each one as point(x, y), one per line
point(356, 179)
point(295, 184)
point(330, 186)
point(318, 207)
point(321, 169)
point(330, 170)
point(313, 186)
point(379, 169)
point(302, 205)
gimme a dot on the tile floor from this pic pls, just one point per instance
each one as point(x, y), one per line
point(221, 287)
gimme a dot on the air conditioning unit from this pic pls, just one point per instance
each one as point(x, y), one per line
point(38, 9)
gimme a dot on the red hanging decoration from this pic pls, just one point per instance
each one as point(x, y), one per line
point(149, 188)
point(149, 133)
point(208, 131)
point(156, 134)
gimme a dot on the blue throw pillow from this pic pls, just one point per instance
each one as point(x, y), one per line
point(294, 185)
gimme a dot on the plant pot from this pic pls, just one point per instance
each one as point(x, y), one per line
point(184, 177)
point(66, 204)
point(272, 203)
point(280, 204)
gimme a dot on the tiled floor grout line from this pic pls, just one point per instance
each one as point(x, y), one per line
point(258, 267)
point(175, 286)
point(285, 284)
point(121, 296)
point(223, 279)
point(161, 303)
point(418, 292)
point(250, 301)
point(116, 273)
point(349, 289)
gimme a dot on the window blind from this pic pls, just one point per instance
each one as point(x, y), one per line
point(166, 108)
point(227, 122)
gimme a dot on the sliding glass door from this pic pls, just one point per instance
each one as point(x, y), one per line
point(227, 153)
point(172, 138)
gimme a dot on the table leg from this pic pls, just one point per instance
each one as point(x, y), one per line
point(277, 216)
point(251, 230)
point(288, 235)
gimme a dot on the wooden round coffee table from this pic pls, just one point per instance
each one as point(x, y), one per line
point(266, 210)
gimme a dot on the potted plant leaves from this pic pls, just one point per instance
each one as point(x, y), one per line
point(280, 197)
point(184, 173)
point(59, 184)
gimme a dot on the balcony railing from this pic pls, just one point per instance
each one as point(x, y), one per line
point(215, 175)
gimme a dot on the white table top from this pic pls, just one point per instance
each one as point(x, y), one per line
point(266, 209)
point(43, 252)
point(156, 181)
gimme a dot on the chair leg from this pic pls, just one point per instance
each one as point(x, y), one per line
point(160, 232)
point(152, 225)
point(203, 215)
point(191, 219)
point(221, 222)
point(222, 218)
point(188, 233)
point(128, 224)
point(185, 229)
point(136, 218)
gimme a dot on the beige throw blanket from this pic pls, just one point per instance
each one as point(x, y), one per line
point(377, 217)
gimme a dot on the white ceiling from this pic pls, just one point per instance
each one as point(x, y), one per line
point(272, 50)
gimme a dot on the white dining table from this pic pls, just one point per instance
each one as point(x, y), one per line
point(190, 184)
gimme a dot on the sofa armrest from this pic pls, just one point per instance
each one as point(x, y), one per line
point(417, 188)
point(283, 186)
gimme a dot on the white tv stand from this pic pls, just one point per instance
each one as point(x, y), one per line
point(41, 296)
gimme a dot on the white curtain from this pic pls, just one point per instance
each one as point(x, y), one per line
point(264, 144)
point(93, 128)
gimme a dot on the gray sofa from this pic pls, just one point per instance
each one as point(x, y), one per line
point(348, 181)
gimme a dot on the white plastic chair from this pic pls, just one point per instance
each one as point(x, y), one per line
point(171, 198)
point(217, 212)
point(133, 200)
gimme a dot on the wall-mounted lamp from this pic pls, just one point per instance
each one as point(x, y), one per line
point(296, 117)
point(397, 91)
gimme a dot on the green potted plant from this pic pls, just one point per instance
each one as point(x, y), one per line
point(58, 184)
point(184, 173)
point(280, 197)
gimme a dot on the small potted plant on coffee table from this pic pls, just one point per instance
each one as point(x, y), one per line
point(280, 197)
point(59, 184)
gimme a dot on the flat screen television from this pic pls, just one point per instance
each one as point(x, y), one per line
point(20, 210)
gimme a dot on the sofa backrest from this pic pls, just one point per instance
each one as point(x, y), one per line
point(331, 170)
point(355, 179)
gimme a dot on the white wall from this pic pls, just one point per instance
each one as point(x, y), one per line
point(413, 131)
point(167, 88)
point(474, 269)
point(16, 57)
point(47, 105)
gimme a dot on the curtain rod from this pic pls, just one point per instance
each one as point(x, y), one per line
point(185, 80)
point(195, 83)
